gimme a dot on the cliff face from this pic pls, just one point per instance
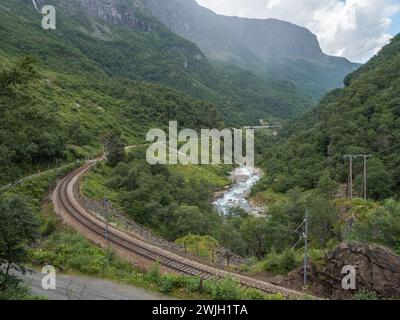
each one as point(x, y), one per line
point(217, 34)
point(275, 50)
point(117, 13)
point(271, 48)
point(377, 271)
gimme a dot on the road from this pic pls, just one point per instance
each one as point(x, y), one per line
point(72, 287)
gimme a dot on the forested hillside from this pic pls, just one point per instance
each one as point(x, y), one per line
point(125, 41)
point(49, 117)
point(364, 117)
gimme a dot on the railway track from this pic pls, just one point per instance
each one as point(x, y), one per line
point(69, 208)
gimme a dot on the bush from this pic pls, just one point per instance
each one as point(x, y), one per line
point(282, 263)
point(365, 295)
point(154, 275)
point(169, 282)
point(226, 289)
point(192, 284)
point(14, 290)
point(252, 294)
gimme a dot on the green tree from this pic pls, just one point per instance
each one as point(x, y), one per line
point(189, 219)
point(115, 149)
point(380, 180)
point(323, 218)
point(328, 186)
point(254, 231)
point(382, 225)
point(231, 239)
point(18, 227)
point(21, 73)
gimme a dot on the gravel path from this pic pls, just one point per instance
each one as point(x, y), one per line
point(72, 287)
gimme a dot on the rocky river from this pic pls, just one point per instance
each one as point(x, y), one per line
point(237, 195)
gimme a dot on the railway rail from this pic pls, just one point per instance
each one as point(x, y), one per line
point(68, 207)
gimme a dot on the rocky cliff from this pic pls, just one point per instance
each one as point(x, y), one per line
point(377, 271)
point(272, 48)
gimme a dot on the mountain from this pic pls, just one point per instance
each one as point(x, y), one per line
point(271, 48)
point(362, 118)
point(60, 107)
point(122, 39)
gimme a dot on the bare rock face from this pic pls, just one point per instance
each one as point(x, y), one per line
point(267, 47)
point(377, 270)
point(114, 12)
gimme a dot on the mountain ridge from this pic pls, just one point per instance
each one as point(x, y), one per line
point(269, 47)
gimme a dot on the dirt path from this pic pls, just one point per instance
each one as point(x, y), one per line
point(73, 287)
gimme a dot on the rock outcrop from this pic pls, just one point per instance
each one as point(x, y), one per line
point(377, 270)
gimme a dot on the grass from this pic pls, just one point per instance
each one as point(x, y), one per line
point(215, 175)
point(269, 197)
point(94, 184)
point(203, 246)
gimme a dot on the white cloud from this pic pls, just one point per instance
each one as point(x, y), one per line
point(356, 29)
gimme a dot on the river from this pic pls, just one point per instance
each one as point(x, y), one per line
point(236, 196)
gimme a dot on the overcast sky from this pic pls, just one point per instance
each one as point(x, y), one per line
point(355, 29)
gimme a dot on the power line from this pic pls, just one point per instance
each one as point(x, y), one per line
point(304, 236)
point(350, 177)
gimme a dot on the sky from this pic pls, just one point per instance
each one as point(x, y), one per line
point(355, 29)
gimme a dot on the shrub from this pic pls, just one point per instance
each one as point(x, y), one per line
point(252, 294)
point(365, 295)
point(169, 282)
point(226, 289)
point(154, 275)
point(282, 263)
point(192, 284)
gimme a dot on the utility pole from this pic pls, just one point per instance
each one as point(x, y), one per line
point(105, 202)
point(365, 156)
point(350, 179)
point(305, 235)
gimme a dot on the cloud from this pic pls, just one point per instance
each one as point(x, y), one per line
point(355, 29)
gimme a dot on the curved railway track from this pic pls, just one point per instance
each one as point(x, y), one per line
point(73, 213)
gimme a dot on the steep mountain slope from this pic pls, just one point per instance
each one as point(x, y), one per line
point(64, 109)
point(123, 40)
point(271, 48)
point(362, 118)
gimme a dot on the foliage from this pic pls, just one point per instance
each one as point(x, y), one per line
point(17, 229)
point(203, 245)
point(115, 149)
point(226, 289)
point(282, 263)
point(14, 289)
point(362, 118)
point(141, 49)
point(22, 73)
point(380, 225)
point(365, 295)
point(156, 196)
